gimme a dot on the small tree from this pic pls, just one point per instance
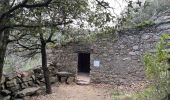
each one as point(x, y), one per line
point(157, 67)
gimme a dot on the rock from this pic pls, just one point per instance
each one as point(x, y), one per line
point(33, 78)
point(5, 92)
point(15, 88)
point(53, 80)
point(37, 70)
point(82, 83)
point(64, 74)
point(27, 92)
point(27, 98)
point(128, 58)
point(11, 83)
point(2, 86)
point(135, 47)
point(2, 79)
point(122, 46)
point(19, 80)
point(26, 79)
point(145, 37)
point(39, 76)
point(164, 26)
point(30, 83)
point(132, 53)
point(52, 71)
point(70, 80)
point(6, 98)
point(63, 79)
point(161, 19)
point(19, 99)
point(24, 85)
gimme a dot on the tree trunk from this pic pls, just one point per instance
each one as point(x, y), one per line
point(44, 66)
point(3, 45)
point(4, 35)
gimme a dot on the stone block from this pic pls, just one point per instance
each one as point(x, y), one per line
point(24, 85)
point(63, 79)
point(19, 80)
point(3, 79)
point(27, 92)
point(15, 88)
point(30, 83)
point(33, 77)
point(70, 80)
point(37, 70)
point(5, 92)
point(27, 98)
point(6, 98)
point(2, 86)
point(11, 83)
point(135, 47)
point(26, 79)
point(53, 80)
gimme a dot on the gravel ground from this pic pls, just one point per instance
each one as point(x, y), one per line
point(77, 92)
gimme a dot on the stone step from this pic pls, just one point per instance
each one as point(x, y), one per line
point(82, 82)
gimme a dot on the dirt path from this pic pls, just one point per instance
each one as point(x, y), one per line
point(77, 92)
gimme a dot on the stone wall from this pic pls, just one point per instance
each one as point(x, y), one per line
point(120, 56)
point(65, 58)
point(22, 85)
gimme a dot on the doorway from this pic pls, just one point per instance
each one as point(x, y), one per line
point(83, 77)
point(84, 63)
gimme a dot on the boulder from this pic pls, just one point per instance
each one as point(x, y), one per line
point(37, 70)
point(19, 80)
point(26, 79)
point(63, 79)
point(23, 98)
point(15, 88)
point(70, 80)
point(64, 74)
point(6, 98)
point(11, 83)
point(27, 98)
point(5, 92)
point(2, 79)
point(27, 92)
point(31, 83)
point(2, 86)
point(53, 80)
point(33, 78)
point(24, 85)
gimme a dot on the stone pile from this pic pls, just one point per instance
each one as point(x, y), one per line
point(20, 86)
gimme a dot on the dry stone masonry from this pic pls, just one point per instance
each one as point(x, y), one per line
point(120, 55)
point(20, 86)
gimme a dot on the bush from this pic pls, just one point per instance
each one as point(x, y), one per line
point(156, 68)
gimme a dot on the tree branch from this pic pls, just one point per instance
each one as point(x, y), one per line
point(24, 5)
point(35, 25)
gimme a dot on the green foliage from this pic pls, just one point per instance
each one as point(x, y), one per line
point(140, 15)
point(156, 67)
point(157, 64)
point(151, 93)
point(145, 24)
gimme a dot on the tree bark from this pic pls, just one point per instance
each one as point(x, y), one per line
point(4, 35)
point(44, 66)
point(3, 46)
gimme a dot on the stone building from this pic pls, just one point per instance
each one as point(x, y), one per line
point(113, 59)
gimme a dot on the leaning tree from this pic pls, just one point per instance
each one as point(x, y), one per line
point(8, 11)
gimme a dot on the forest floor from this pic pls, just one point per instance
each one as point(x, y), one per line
point(78, 92)
point(91, 92)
